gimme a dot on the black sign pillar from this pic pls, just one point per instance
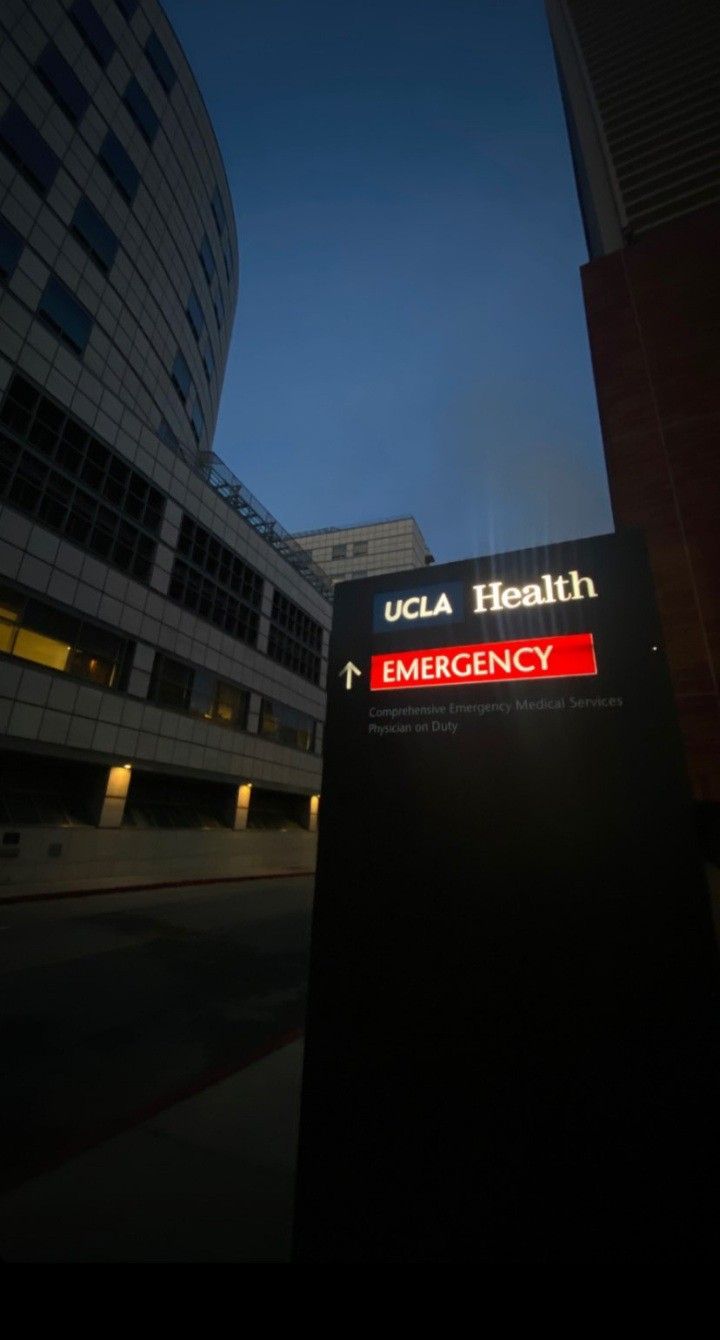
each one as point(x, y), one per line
point(512, 1034)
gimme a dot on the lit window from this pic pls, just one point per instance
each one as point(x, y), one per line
point(65, 316)
point(96, 237)
point(160, 62)
point(27, 150)
point(141, 110)
point(35, 631)
point(11, 245)
point(93, 30)
point(119, 166)
point(61, 81)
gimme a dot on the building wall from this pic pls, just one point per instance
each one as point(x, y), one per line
point(138, 306)
point(116, 335)
point(639, 85)
point(366, 551)
point(652, 312)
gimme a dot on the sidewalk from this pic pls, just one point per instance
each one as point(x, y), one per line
point(209, 1180)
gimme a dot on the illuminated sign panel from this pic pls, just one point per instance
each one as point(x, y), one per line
point(407, 608)
point(484, 663)
point(513, 1012)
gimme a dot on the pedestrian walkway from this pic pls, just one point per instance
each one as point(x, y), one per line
point(208, 1180)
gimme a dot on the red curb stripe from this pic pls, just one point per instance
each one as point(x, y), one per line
point(141, 888)
point(172, 1098)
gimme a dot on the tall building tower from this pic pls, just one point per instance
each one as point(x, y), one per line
point(162, 639)
point(639, 81)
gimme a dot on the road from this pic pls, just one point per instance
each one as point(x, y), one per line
point(113, 1007)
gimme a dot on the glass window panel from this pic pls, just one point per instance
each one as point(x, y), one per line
point(26, 148)
point(160, 62)
point(95, 668)
point(92, 231)
point(61, 81)
point(208, 360)
point(195, 314)
point(181, 375)
point(197, 420)
point(202, 702)
point(141, 110)
point(231, 705)
point(42, 650)
point(170, 683)
point(218, 210)
point(207, 259)
point(127, 7)
point(64, 314)
point(93, 30)
point(119, 166)
point(11, 245)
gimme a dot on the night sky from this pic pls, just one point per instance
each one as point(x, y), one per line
point(409, 337)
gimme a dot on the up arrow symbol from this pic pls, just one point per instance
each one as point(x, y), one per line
point(348, 671)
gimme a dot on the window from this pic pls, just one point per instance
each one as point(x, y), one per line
point(214, 583)
point(206, 354)
point(175, 685)
point(285, 725)
point(218, 210)
point(33, 630)
point(127, 8)
point(170, 683)
point(339, 551)
point(94, 235)
point(160, 62)
point(11, 245)
point(141, 111)
point(64, 85)
point(166, 435)
point(197, 420)
point(65, 316)
point(295, 640)
point(119, 166)
point(52, 468)
point(227, 257)
point(92, 29)
point(219, 308)
point(181, 377)
point(195, 314)
point(27, 150)
point(207, 259)
point(360, 548)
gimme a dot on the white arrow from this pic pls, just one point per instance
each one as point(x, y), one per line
point(348, 671)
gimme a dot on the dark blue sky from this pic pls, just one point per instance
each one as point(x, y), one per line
point(409, 335)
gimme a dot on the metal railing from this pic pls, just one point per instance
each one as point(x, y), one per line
point(221, 478)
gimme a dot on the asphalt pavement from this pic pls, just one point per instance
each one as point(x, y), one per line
point(152, 1057)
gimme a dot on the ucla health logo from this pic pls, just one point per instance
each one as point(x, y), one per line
point(419, 607)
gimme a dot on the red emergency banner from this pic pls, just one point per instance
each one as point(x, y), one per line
point(485, 663)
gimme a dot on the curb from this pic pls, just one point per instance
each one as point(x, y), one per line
point(114, 1129)
point(143, 888)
